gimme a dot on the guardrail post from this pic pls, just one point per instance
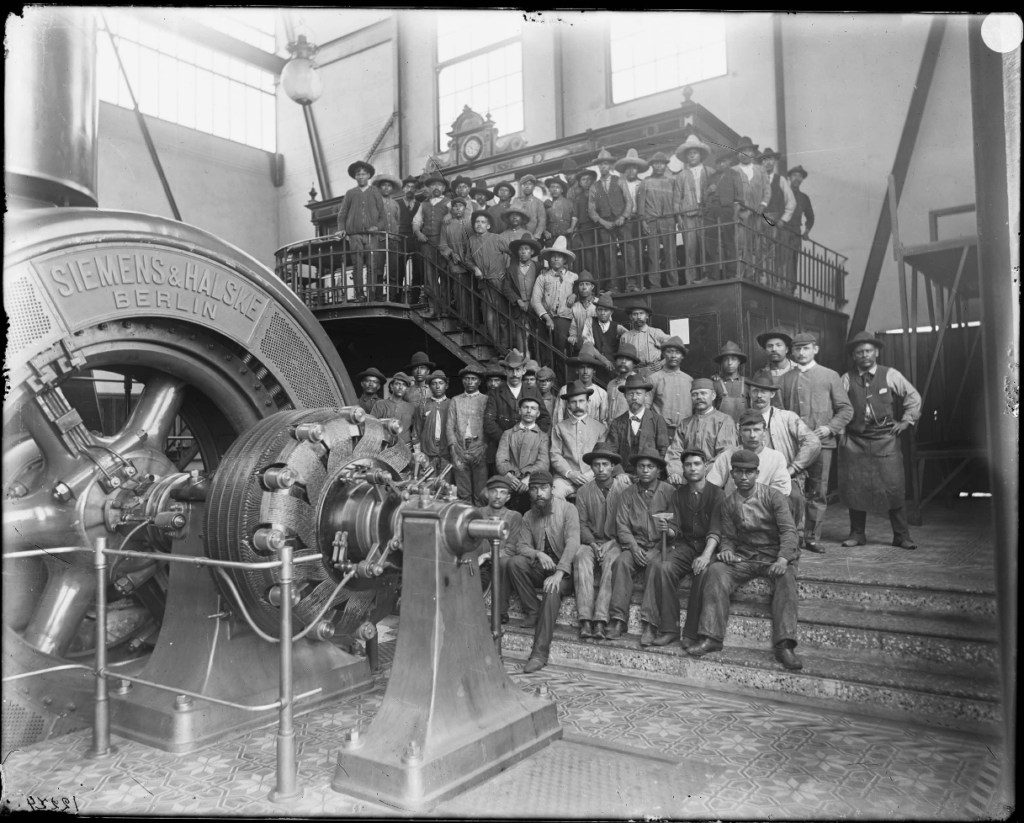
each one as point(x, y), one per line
point(287, 787)
point(101, 711)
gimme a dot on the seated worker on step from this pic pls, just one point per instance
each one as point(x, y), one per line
point(759, 539)
point(640, 536)
point(772, 463)
point(707, 429)
point(696, 517)
point(523, 450)
point(597, 503)
point(548, 543)
point(497, 493)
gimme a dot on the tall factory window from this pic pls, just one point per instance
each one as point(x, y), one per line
point(179, 80)
point(480, 65)
point(688, 48)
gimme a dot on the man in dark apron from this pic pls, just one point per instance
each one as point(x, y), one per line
point(870, 462)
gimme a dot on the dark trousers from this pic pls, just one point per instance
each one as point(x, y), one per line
point(470, 482)
point(584, 243)
point(661, 594)
point(724, 579)
point(527, 576)
point(411, 270)
point(721, 243)
point(487, 575)
point(624, 570)
point(816, 492)
point(560, 333)
point(897, 517)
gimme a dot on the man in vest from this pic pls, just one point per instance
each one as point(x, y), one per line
point(609, 206)
point(640, 427)
point(601, 332)
point(465, 433)
point(816, 393)
point(426, 225)
point(730, 385)
point(871, 464)
point(779, 211)
point(776, 342)
point(362, 219)
point(752, 196)
point(397, 407)
point(692, 202)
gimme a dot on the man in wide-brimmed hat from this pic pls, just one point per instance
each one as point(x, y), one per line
point(730, 385)
point(638, 427)
point(724, 195)
point(776, 342)
point(597, 502)
point(426, 225)
point(573, 437)
point(361, 220)
point(871, 461)
point(656, 208)
point(779, 211)
point(693, 197)
point(504, 191)
point(514, 219)
point(419, 368)
point(646, 339)
point(640, 536)
point(753, 196)
point(625, 361)
point(559, 211)
point(630, 167)
point(758, 540)
point(672, 385)
point(707, 429)
point(548, 544)
point(388, 185)
point(798, 227)
point(520, 277)
point(502, 411)
point(586, 364)
point(816, 393)
point(610, 205)
point(536, 223)
point(584, 309)
point(430, 423)
point(584, 241)
point(398, 407)
point(371, 380)
point(481, 194)
point(455, 248)
point(597, 328)
point(553, 292)
point(461, 186)
point(466, 439)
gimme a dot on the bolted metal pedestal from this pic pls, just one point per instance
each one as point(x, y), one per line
point(451, 716)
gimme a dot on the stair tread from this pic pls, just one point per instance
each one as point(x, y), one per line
point(866, 668)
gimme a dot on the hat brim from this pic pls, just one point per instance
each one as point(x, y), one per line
point(757, 384)
point(360, 164)
point(564, 252)
point(631, 307)
point(590, 457)
point(387, 178)
point(382, 378)
point(567, 396)
point(636, 458)
point(762, 339)
point(473, 192)
point(434, 178)
point(584, 361)
point(704, 151)
point(515, 245)
point(646, 386)
point(428, 363)
point(626, 162)
point(718, 358)
point(874, 341)
point(520, 212)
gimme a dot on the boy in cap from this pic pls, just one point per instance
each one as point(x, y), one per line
point(586, 365)
point(546, 386)
point(692, 201)
point(490, 255)
point(816, 393)
point(523, 450)
point(609, 205)
point(497, 492)
point(388, 185)
point(707, 429)
point(625, 362)
point(361, 217)
point(560, 212)
point(753, 195)
point(730, 387)
point(629, 167)
point(430, 423)
point(772, 465)
point(548, 543)
point(646, 339)
point(597, 503)
point(426, 225)
point(536, 223)
point(583, 310)
point(504, 191)
point(672, 385)
point(573, 437)
point(639, 427)
point(656, 205)
point(520, 279)
point(758, 540)
point(419, 368)
point(397, 407)
point(371, 382)
point(456, 232)
point(639, 533)
point(465, 433)
point(553, 293)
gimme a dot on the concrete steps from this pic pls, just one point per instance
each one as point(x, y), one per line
point(900, 651)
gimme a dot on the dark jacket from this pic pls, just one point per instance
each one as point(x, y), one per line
point(653, 434)
point(502, 413)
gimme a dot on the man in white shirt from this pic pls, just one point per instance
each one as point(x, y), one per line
point(572, 438)
point(691, 194)
point(586, 365)
point(771, 470)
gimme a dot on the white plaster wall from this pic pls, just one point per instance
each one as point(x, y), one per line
point(220, 186)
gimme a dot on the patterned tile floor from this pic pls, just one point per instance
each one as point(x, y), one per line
point(700, 754)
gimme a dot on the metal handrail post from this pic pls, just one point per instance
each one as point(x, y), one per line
point(287, 767)
point(101, 711)
point(495, 588)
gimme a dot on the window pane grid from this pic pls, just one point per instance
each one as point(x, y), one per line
point(172, 80)
point(491, 82)
point(690, 48)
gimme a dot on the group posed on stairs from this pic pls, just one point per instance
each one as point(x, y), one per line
point(529, 251)
point(659, 475)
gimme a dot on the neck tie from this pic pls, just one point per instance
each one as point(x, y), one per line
point(634, 424)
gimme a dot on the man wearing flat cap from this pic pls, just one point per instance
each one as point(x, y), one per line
point(771, 463)
point(672, 386)
point(574, 437)
point(497, 491)
point(361, 220)
point(639, 428)
point(656, 206)
point(759, 539)
point(816, 393)
point(397, 407)
point(707, 430)
point(371, 381)
point(466, 438)
point(693, 202)
point(871, 462)
point(640, 532)
point(548, 543)
point(523, 450)
point(533, 206)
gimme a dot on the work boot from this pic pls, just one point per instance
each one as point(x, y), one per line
point(615, 630)
point(788, 658)
point(600, 628)
point(647, 636)
point(585, 630)
point(903, 542)
point(706, 645)
point(854, 540)
point(531, 620)
point(533, 665)
point(812, 545)
point(665, 638)
point(687, 642)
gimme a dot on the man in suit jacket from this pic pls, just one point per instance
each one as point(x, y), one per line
point(502, 411)
point(523, 450)
point(640, 427)
point(692, 201)
point(816, 394)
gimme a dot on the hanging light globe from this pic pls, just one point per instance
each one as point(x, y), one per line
point(300, 78)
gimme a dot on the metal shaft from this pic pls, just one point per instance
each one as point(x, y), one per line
point(286, 757)
point(101, 711)
point(495, 588)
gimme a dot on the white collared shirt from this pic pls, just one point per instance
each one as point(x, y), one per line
point(808, 367)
